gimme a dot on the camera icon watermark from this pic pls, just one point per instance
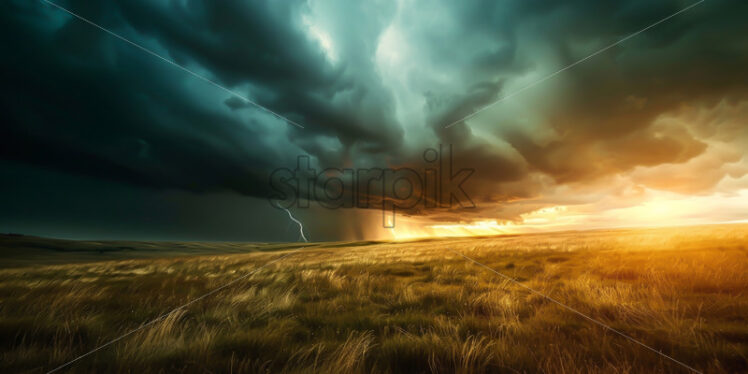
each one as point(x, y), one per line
point(435, 185)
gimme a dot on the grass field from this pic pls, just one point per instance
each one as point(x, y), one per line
point(385, 307)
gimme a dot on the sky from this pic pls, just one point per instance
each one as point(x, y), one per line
point(103, 140)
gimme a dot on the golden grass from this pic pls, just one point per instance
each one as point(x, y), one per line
point(397, 307)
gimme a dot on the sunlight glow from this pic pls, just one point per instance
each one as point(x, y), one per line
point(662, 209)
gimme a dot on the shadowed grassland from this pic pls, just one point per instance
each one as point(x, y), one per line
point(396, 307)
point(21, 251)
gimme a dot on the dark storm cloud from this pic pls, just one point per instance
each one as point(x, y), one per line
point(609, 105)
point(374, 84)
point(261, 43)
point(603, 122)
point(82, 101)
point(78, 101)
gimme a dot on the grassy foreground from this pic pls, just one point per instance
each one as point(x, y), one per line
point(396, 307)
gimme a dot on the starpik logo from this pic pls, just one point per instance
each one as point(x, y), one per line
point(435, 185)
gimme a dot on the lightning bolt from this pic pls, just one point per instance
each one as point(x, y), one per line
point(301, 225)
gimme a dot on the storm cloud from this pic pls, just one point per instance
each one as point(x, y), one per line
point(374, 84)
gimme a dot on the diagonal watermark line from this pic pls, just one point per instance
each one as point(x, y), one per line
point(597, 322)
point(182, 67)
point(167, 314)
point(567, 67)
